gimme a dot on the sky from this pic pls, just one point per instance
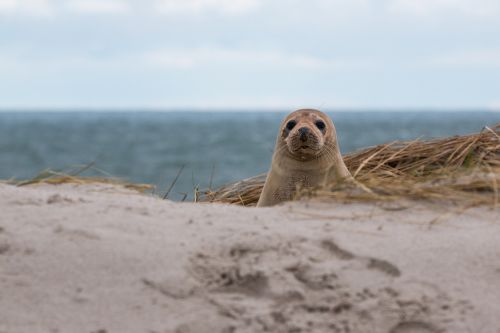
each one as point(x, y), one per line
point(250, 54)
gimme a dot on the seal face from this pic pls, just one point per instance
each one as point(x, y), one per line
point(304, 135)
point(306, 155)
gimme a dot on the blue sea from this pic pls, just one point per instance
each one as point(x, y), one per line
point(221, 147)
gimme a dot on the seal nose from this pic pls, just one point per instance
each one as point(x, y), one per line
point(303, 131)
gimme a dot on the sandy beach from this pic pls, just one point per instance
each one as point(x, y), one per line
point(101, 258)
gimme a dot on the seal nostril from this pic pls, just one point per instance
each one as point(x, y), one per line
point(303, 131)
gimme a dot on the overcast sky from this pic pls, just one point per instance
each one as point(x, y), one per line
point(250, 54)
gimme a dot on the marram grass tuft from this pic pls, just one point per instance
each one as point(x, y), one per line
point(463, 169)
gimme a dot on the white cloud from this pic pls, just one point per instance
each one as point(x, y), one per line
point(184, 59)
point(481, 58)
point(200, 6)
point(191, 58)
point(26, 7)
point(475, 8)
point(98, 6)
point(331, 11)
point(8, 4)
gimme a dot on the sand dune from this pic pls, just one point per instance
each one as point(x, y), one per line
point(100, 258)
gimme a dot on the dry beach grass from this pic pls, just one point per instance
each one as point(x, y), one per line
point(460, 168)
point(72, 176)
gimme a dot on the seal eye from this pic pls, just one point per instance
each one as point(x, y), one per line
point(320, 125)
point(291, 124)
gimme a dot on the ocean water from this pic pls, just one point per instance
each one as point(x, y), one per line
point(151, 147)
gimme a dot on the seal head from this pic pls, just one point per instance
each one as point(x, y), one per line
point(304, 132)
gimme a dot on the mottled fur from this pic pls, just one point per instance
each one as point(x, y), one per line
point(304, 156)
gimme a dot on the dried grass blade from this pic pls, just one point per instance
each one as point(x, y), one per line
point(363, 163)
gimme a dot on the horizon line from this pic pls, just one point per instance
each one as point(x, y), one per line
point(243, 109)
